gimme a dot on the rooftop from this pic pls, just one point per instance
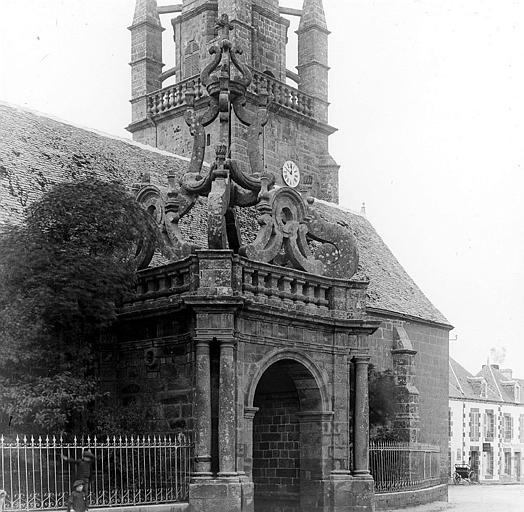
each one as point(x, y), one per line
point(498, 387)
point(38, 151)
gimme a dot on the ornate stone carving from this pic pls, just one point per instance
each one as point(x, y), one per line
point(286, 221)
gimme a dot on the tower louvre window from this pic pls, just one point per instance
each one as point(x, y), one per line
point(191, 59)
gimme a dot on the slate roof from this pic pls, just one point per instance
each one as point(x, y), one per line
point(496, 379)
point(37, 151)
point(461, 387)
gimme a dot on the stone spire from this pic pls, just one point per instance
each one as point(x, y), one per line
point(313, 55)
point(313, 15)
point(146, 55)
point(146, 11)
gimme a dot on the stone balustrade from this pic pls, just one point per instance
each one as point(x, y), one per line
point(173, 279)
point(258, 283)
point(282, 94)
point(174, 96)
point(275, 286)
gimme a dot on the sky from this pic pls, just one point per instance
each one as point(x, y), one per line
point(428, 99)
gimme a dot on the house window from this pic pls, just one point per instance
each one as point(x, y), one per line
point(489, 425)
point(521, 433)
point(489, 463)
point(474, 425)
point(507, 462)
point(508, 427)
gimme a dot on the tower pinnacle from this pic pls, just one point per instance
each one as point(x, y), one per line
point(312, 15)
point(146, 11)
point(146, 55)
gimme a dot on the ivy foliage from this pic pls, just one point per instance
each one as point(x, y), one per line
point(64, 271)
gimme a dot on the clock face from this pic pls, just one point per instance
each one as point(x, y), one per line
point(291, 174)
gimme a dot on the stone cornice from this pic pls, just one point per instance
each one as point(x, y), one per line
point(147, 23)
point(209, 6)
point(313, 63)
point(356, 326)
point(403, 316)
point(149, 59)
point(313, 26)
point(271, 15)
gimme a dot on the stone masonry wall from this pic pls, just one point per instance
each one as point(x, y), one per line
point(155, 371)
point(276, 454)
point(431, 374)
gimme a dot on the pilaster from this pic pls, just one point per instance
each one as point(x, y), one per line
point(407, 417)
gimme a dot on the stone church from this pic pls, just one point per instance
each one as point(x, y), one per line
point(255, 327)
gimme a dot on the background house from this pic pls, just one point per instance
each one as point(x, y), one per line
point(486, 422)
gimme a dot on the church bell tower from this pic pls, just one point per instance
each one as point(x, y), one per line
point(294, 141)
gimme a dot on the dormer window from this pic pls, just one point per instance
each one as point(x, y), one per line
point(483, 389)
point(517, 392)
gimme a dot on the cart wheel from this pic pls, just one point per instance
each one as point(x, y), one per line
point(456, 478)
point(472, 477)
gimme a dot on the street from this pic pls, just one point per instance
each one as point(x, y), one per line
point(486, 498)
point(478, 498)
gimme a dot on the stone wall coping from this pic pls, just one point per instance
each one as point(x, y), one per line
point(402, 316)
point(166, 507)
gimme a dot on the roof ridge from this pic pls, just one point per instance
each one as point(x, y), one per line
point(455, 375)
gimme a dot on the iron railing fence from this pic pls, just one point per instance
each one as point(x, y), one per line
point(126, 470)
point(402, 466)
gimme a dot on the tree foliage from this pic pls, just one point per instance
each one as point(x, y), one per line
point(64, 270)
point(382, 404)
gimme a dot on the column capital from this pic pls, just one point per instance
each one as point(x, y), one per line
point(361, 358)
point(249, 412)
point(226, 342)
point(201, 340)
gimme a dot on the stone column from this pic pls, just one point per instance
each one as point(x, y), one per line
point(226, 410)
point(361, 419)
point(202, 411)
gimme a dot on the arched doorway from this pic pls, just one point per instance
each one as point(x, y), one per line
point(287, 439)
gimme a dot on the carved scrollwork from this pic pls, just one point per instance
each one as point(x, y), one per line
point(287, 223)
point(339, 251)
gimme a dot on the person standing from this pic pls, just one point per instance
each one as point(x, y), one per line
point(77, 501)
point(83, 468)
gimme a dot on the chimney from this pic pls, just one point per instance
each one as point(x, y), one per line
point(507, 373)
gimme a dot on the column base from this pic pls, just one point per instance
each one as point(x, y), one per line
point(362, 475)
point(220, 495)
point(201, 475)
point(350, 494)
point(227, 475)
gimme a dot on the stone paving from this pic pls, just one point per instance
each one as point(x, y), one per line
point(478, 498)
